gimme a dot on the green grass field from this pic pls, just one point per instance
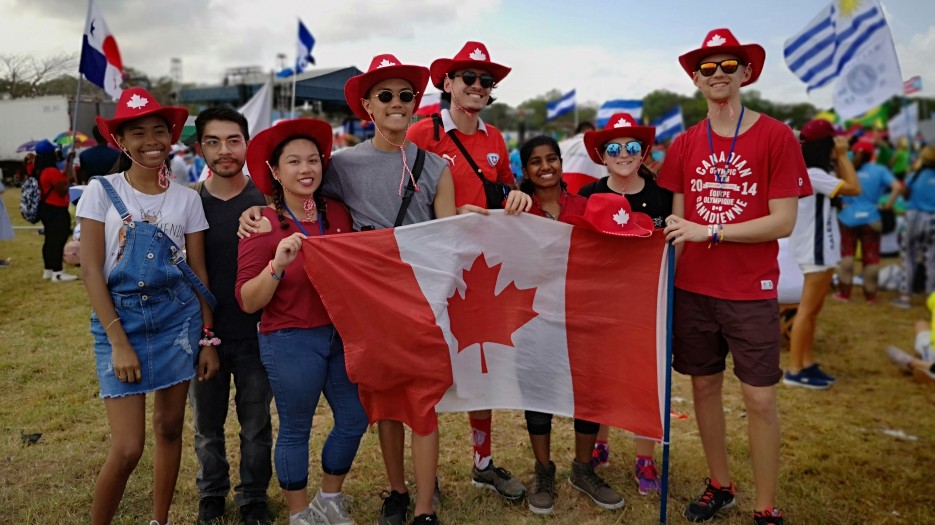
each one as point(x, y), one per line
point(838, 465)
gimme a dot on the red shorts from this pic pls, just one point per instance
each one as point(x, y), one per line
point(869, 237)
point(706, 329)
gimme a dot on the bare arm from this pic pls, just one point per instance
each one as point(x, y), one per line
point(850, 184)
point(777, 224)
point(444, 204)
point(208, 361)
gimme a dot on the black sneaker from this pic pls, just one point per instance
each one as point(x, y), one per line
point(768, 517)
point(427, 519)
point(395, 508)
point(710, 502)
point(255, 513)
point(210, 510)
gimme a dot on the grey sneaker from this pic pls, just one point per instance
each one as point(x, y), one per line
point(499, 480)
point(541, 496)
point(586, 480)
point(332, 511)
point(306, 517)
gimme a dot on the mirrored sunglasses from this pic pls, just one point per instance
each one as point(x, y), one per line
point(405, 96)
point(615, 149)
point(727, 66)
point(486, 80)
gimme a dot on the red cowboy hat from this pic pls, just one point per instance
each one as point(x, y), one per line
point(723, 41)
point(611, 214)
point(261, 147)
point(135, 103)
point(818, 129)
point(383, 67)
point(472, 55)
point(619, 125)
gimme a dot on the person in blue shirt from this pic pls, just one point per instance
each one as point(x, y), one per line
point(918, 239)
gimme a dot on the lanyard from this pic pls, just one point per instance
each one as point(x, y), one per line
point(321, 230)
point(730, 155)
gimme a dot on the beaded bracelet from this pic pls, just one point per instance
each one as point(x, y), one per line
point(273, 272)
point(209, 341)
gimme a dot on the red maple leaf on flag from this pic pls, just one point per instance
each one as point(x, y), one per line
point(482, 316)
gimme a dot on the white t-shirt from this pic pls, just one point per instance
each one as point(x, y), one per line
point(178, 211)
point(816, 239)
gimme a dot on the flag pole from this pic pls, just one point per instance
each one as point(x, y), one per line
point(74, 117)
point(292, 107)
point(667, 415)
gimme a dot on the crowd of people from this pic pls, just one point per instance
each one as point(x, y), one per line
point(174, 319)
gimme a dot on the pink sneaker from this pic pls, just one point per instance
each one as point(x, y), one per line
point(600, 457)
point(647, 476)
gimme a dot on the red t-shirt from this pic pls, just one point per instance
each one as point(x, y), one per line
point(767, 164)
point(49, 177)
point(486, 147)
point(295, 304)
point(571, 203)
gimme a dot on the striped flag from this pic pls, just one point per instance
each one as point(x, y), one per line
point(669, 125)
point(850, 44)
point(100, 58)
point(611, 107)
point(912, 85)
point(303, 49)
point(560, 107)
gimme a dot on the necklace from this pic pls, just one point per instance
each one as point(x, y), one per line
point(151, 218)
point(721, 173)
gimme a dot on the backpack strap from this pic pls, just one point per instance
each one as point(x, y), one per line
point(470, 160)
point(410, 188)
point(436, 124)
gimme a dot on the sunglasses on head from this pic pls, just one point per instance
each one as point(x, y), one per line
point(727, 66)
point(486, 81)
point(614, 149)
point(386, 96)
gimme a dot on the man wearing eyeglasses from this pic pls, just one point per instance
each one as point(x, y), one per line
point(480, 169)
point(736, 178)
point(222, 136)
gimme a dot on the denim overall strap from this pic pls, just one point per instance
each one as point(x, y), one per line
point(178, 260)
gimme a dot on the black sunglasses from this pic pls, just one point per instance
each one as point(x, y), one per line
point(486, 81)
point(405, 96)
point(727, 66)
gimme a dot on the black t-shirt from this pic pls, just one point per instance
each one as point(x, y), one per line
point(230, 322)
point(651, 200)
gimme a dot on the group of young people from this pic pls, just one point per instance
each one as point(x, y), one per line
point(727, 191)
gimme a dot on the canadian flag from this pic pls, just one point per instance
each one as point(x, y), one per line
point(497, 311)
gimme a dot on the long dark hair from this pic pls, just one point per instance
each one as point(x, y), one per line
point(278, 198)
point(43, 161)
point(817, 153)
point(525, 151)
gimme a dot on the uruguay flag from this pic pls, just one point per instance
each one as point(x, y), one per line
point(560, 107)
point(609, 108)
point(303, 53)
point(669, 125)
point(100, 58)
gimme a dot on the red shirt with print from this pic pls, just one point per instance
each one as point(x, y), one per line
point(48, 178)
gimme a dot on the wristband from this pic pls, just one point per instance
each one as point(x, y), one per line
point(272, 272)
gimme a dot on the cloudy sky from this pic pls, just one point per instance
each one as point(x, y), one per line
point(604, 49)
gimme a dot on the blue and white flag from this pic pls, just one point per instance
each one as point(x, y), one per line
point(849, 43)
point(607, 110)
point(560, 107)
point(303, 53)
point(669, 125)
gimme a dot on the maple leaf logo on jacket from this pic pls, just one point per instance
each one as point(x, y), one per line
point(136, 101)
point(480, 315)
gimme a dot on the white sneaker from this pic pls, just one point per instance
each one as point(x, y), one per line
point(46, 274)
point(306, 517)
point(61, 277)
point(332, 510)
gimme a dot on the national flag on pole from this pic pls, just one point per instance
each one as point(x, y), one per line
point(100, 59)
point(905, 123)
point(560, 107)
point(431, 103)
point(609, 108)
point(475, 312)
point(912, 85)
point(303, 52)
point(669, 125)
point(851, 44)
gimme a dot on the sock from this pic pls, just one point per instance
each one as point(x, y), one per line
point(717, 485)
point(480, 434)
point(328, 495)
point(601, 444)
point(644, 459)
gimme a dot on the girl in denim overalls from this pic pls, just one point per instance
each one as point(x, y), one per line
point(150, 305)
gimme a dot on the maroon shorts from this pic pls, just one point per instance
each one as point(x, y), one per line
point(869, 237)
point(706, 329)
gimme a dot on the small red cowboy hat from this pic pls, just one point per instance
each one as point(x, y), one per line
point(135, 103)
point(619, 125)
point(723, 41)
point(473, 55)
point(261, 147)
point(383, 67)
point(818, 129)
point(611, 214)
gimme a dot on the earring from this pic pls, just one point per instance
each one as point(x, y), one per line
point(310, 209)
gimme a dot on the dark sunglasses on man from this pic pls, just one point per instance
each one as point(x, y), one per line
point(486, 80)
point(728, 66)
point(386, 96)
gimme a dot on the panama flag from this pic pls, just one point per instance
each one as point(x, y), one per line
point(473, 312)
point(100, 58)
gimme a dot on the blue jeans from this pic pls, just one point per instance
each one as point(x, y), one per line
point(210, 399)
point(303, 363)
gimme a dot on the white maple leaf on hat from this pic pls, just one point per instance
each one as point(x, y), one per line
point(477, 54)
point(386, 63)
point(716, 40)
point(622, 217)
point(623, 123)
point(136, 101)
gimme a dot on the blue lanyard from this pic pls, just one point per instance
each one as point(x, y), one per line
point(321, 230)
point(730, 155)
